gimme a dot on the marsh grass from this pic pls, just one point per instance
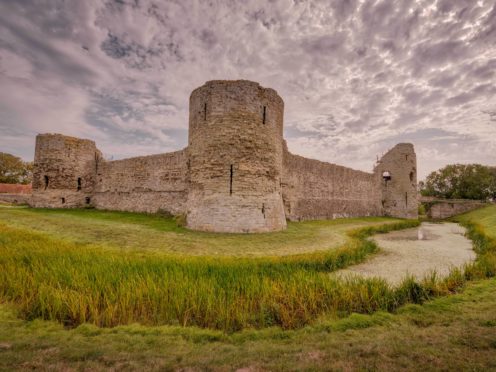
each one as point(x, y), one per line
point(74, 283)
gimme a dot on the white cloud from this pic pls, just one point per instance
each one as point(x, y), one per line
point(356, 77)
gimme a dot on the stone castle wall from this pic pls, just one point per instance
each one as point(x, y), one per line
point(314, 189)
point(151, 184)
point(236, 175)
point(441, 209)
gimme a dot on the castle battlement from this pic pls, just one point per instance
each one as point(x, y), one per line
point(236, 175)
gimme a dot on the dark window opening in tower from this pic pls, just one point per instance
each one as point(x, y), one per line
point(406, 157)
point(88, 200)
point(386, 176)
point(411, 176)
point(79, 184)
point(263, 209)
point(264, 114)
point(406, 199)
point(63, 200)
point(46, 182)
point(231, 180)
point(205, 112)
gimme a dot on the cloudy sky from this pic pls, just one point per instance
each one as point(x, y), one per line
point(357, 77)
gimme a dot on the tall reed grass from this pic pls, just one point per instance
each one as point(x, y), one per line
point(61, 280)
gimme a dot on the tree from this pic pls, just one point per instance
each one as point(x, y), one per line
point(14, 170)
point(461, 181)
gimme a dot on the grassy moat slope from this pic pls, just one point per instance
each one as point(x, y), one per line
point(72, 281)
point(152, 233)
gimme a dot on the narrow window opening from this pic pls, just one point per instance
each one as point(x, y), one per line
point(231, 180)
point(79, 184)
point(264, 114)
point(263, 209)
point(386, 176)
point(411, 176)
point(47, 180)
point(406, 157)
point(63, 200)
point(406, 199)
point(87, 200)
point(205, 112)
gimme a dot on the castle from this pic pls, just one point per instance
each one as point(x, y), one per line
point(235, 175)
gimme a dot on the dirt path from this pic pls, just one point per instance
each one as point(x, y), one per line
point(417, 252)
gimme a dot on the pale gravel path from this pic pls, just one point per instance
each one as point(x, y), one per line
point(443, 247)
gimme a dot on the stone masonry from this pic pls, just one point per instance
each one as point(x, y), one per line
point(236, 175)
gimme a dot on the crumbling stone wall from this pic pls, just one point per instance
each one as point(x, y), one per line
point(63, 171)
point(15, 198)
point(441, 209)
point(314, 189)
point(155, 183)
point(396, 172)
point(235, 158)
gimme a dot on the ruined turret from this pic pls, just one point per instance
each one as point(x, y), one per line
point(396, 173)
point(64, 171)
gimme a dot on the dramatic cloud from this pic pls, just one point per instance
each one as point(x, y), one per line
point(357, 77)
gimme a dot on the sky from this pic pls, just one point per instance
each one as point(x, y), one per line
point(356, 77)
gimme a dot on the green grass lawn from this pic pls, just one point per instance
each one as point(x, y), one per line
point(451, 333)
point(134, 231)
point(486, 217)
point(261, 313)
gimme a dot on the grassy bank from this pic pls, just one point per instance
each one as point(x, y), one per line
point(73, 283)
point(451, 333)
point(454, 332)
point(150, 233)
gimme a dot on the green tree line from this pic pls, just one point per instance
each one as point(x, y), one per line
point(461, 181)
point(14, 170)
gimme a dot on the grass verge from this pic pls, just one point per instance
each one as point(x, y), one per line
point(126, 231)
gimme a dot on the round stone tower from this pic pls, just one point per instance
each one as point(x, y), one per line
point(64, 171)
point(235, 158)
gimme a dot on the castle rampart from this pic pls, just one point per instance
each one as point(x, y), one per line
point(236, 175)
point(155, 183)
point(314, 189)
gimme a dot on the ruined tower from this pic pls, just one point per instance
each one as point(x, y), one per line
point(235, 158)
point(64, 171)
point(396, 172)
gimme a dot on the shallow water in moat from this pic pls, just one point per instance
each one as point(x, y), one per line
point(417, 252)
